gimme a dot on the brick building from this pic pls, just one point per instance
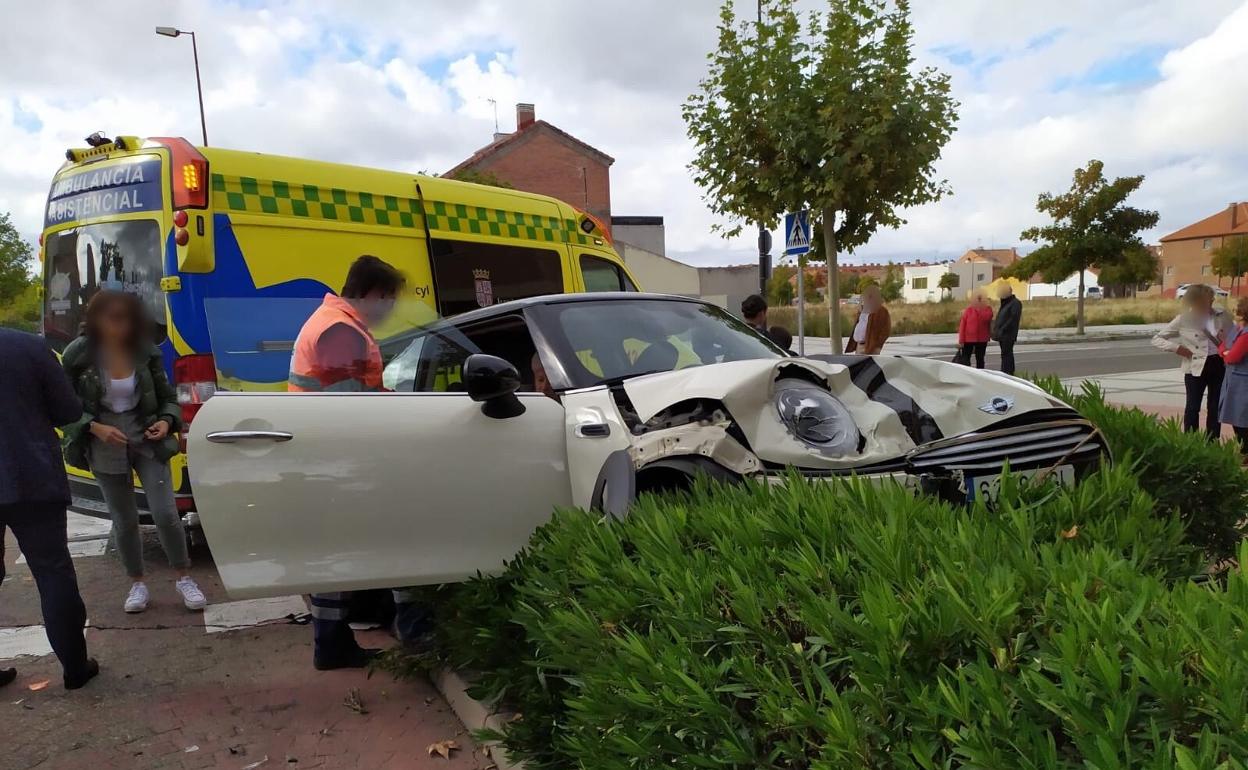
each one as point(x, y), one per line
point(540, 158)
point(1187, 253)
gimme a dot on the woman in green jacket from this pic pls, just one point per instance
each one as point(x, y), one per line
point(130, 415)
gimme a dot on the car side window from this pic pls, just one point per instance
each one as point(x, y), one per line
point(603, 275)
point(468, 275)
point(440, 354)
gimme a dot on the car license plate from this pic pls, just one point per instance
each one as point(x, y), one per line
point(988, 488)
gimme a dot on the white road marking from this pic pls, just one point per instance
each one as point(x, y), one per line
point(80, 527)
point(23, 641)
point(229, 616)
point(79, 548)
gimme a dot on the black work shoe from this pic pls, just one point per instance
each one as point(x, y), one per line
point(7, 675)
point(357, 658)
point(75, 682)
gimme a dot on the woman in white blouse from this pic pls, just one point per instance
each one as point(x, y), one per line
point(1194, 336)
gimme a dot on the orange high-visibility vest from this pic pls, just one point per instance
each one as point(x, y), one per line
point(314, 368)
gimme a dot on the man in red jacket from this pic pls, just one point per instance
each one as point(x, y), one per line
point(974, 330)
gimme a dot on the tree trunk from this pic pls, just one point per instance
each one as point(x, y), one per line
point(834, 281)
point(1079, 306)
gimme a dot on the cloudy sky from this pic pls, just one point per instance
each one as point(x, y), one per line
point(1148, 86)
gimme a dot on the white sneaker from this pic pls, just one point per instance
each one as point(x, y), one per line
point(192, 597)
point(137, 600)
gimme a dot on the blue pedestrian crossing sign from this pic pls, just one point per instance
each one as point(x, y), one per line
point(797, 233)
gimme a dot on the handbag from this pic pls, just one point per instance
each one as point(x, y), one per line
point(962, 356)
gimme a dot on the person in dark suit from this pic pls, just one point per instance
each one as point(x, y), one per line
point(1005, 326)
point(34, 493)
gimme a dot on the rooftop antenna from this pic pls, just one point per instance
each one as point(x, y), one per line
point(494, 103)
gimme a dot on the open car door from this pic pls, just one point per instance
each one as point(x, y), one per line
point(312, 492)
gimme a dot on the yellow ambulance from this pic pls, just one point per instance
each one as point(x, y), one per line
point(233, 250)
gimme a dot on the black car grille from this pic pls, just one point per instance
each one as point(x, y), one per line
point(1022, 446)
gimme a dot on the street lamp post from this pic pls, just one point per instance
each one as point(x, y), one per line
point(199, 86)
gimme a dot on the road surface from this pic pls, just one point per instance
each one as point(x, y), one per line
point(1063, 359)
point(1083, 359)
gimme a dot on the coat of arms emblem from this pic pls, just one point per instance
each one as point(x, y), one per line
point(484, 287)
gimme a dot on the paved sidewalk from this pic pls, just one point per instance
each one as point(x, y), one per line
point(929, 344)
point(230, 688)
point(1159, 388)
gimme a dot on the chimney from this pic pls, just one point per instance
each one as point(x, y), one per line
point(1234, 207)
point(525, 116)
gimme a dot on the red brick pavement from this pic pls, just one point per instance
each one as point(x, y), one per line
point(241, 696)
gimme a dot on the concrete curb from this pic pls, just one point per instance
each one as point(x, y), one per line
point(475, 714)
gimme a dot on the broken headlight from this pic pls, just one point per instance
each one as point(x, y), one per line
point(816, 417)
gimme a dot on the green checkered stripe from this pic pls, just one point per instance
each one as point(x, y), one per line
point(261, 196)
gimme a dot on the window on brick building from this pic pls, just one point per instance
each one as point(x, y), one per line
point(1208, 244)
point(604, 275)
point(469, 275)
point(1206, 269)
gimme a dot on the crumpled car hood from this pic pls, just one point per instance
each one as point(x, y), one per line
point(898, 403)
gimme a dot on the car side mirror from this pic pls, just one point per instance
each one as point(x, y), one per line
point(493, 382)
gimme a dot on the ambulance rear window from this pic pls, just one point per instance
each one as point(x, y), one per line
point(470, 275)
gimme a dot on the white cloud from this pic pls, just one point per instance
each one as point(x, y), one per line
point(406, 85)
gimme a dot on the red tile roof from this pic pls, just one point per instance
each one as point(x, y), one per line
point(1232, 220)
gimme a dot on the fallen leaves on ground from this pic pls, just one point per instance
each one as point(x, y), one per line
point(354, 702)
point(442, 748)
point(37, 686)
point(1070, 534)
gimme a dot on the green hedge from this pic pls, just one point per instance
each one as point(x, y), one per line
point(842, 624)
point(1202, 483)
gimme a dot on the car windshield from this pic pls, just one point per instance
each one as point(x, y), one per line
point(611, 340)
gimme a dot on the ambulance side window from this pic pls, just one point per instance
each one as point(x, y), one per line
point(604, 275)
point(469, 275)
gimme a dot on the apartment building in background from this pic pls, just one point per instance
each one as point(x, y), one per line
point(1187, 253)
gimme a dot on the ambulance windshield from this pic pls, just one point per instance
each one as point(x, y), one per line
point(125, 256)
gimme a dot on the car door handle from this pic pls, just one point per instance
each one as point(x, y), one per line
point(231, 436)
point(592, 430)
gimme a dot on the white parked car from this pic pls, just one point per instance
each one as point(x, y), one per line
point(1218, 291)
point(450, 474)
point(1089, 292)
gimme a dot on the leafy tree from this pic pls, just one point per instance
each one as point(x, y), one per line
point(948, 282)
point(1092, 228)
point(1137, 266)
point(828, 113)
point(779, 291)
point(15, 254)
point(849, 282)
point(477, 176)
point(1230, 260)
point(893, 283)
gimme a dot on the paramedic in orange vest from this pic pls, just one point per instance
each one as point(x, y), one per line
point(336, 352)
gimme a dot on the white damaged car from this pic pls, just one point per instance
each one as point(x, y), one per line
point(450, 473)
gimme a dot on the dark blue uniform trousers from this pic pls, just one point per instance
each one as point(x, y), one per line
point(332, 636)
point(40, 532)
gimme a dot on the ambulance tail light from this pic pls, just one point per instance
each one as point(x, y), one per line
point(195, 379)
point(189, 173)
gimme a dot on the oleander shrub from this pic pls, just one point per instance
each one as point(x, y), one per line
point(845, 624)
point(1203, 483)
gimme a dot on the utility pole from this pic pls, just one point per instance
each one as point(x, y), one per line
point(199, 86)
